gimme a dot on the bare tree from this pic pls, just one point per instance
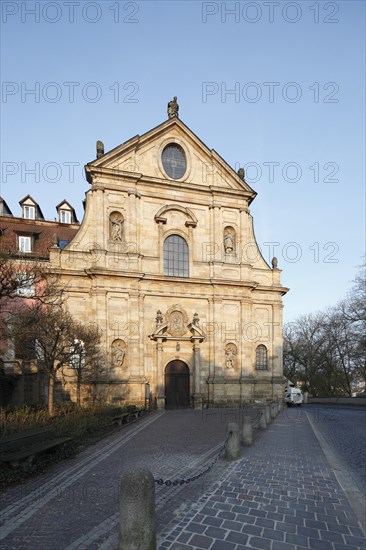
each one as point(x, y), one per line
point(326, 352)
point(49, 334)
point(89, 363)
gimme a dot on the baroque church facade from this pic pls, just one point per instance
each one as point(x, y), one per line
point(166, 262)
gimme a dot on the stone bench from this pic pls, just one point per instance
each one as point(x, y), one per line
point(18, 447)
point(126, 417)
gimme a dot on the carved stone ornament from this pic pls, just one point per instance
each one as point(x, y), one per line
point(159, 318)
point(116, 227)
point(177, 321)
point(230, 356)
point(274, 262)
point(118, 353)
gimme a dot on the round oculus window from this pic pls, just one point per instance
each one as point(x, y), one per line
point(174, 161)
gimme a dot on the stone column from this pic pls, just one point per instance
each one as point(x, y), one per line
point(160, 376)
point(197, 373)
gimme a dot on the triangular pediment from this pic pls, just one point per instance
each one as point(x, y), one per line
point(141, 156)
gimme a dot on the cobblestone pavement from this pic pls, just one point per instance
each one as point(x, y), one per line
point(344, 428)
point(281, 495)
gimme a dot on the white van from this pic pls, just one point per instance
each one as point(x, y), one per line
point(293, 396)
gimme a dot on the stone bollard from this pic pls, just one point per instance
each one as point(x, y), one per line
point(232, 449)
point(262, 419)
point(268, 414)
point(137, 529)
point(247, 431)
point(273, 411)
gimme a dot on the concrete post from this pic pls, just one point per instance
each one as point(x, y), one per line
point(268, 414)
point(247, 431)
point(137, 529)
point(232, 449)
point(262, 419)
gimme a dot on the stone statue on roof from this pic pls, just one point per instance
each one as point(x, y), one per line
point(241, 173)
point(173, 108)
point(100, 149)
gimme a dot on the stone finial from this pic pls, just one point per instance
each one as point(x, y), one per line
point(100, 149)
point(241, 173)
point(173, 108)
point(159, 318)
point(55, 241)
point(274, 262)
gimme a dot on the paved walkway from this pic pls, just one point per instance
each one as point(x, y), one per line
point(281, 495)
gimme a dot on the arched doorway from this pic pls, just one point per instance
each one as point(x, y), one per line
point(177, 385)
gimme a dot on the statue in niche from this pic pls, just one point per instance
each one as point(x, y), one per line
point(115, 227)
point(230, 356)
point(229, 240)
point(173, 108)
point(118, 353)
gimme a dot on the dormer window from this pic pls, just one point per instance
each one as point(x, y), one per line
point(66, 213)
point(65, 216)
point(30, 209)
point(24, 244)
point(29, 212)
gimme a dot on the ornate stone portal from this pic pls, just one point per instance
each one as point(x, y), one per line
point(176, 327)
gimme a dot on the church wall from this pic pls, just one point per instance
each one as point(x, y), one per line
point(116, 272)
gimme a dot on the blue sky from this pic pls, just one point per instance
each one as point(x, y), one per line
point(295, 117)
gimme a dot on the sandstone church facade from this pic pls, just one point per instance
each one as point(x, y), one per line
point(166, 262)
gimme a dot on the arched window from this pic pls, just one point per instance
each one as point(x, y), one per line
point(261, 360)
point(176, 257)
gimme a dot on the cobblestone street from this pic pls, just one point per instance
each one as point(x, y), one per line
point(344, 428)
point(281, 495)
